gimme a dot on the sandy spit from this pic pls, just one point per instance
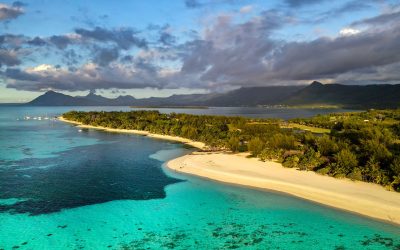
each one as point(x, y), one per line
point(195, 144)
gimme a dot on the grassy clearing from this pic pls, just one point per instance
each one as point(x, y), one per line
point(306, 128)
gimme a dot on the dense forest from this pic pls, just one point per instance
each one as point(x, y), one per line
point(362, 146)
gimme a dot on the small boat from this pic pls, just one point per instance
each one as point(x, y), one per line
point(80, 130)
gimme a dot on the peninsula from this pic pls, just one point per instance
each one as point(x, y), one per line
point(227, 164)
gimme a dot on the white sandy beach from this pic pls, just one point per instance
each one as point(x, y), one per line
point(195, 144)
point(363, 198)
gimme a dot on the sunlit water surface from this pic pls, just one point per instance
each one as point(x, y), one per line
point(65, 189)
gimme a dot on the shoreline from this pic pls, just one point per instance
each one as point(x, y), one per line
point(362, 198)
point(366, 199)
point(195, 144)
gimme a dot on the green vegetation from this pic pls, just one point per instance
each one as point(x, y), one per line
point(361, 145)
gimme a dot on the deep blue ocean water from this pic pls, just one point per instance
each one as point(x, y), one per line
point(61, 188)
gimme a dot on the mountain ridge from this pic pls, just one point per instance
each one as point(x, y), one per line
point(354, 96)
point(316, 93)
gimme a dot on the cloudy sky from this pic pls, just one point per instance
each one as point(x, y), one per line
point(161, 47)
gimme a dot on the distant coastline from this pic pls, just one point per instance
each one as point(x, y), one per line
point(310, 106)
point(171, 107)
point(363, 198)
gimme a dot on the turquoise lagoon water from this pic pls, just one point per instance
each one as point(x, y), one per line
point(65, 189)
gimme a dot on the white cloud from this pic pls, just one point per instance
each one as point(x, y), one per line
point(349, 31)
point(41, 67)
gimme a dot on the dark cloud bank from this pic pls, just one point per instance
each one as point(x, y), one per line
point(227, 54)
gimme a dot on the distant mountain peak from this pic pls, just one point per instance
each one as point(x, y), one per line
point(125, 97)
point(93, 94)
point(51, 92)
point(316, 83)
